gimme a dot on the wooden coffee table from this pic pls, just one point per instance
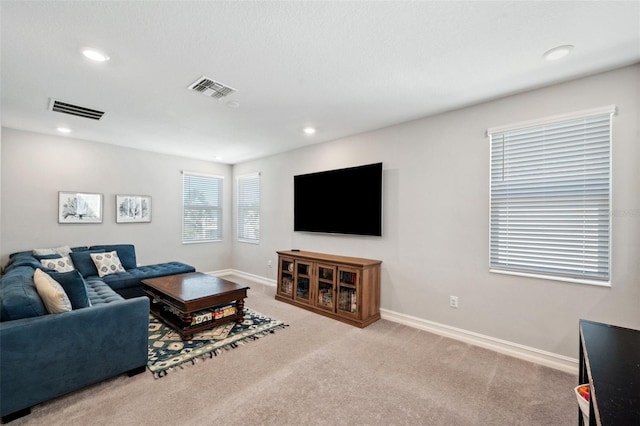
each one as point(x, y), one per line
point(194, 302)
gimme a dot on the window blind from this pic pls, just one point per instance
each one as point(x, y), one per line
point(202, 208)
point(551, 198)
point(248, 203)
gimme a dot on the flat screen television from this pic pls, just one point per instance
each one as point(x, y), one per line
point(342, 201)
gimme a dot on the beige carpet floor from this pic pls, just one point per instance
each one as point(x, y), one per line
point(319, 371)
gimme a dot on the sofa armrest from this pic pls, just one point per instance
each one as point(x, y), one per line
point(50, 355)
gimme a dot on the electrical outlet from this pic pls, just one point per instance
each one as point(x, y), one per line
point(453, 301)
point(269, 263)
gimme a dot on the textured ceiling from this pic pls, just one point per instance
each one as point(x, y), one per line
point(343, 67)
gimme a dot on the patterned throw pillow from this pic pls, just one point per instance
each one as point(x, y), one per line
point(62, 264)
point(51, 293)
point(107, 263)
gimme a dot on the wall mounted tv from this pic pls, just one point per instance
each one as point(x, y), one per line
point(343, 201)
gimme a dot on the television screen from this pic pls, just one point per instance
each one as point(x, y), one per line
point(344, 201)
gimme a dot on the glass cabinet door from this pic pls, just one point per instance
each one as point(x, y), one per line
point(348, 280)
point(285, 286)
point(326, 287)
point(302, 281)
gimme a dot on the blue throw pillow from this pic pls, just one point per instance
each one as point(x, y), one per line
point(23, 261)
point(21, 254)
point(83, 262)
point(75, 287)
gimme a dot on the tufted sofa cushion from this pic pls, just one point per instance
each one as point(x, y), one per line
point(132, 277)
point(100, 293)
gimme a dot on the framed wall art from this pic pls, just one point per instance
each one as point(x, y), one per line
point(79, 207)
point(133, 208)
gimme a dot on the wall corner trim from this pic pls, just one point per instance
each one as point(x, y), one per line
point(527, 353)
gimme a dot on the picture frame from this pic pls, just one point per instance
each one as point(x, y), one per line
point(79, 207)
point(133, 208)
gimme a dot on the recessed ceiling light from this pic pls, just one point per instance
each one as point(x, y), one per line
point(95, 55)
point(218, 158)
point(309, 130)
point(557, 52)
point(64, 130)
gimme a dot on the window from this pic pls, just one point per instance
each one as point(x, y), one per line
point(248, 203)
point(201, 208)
point(551, 197)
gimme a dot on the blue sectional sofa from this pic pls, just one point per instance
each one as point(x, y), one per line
point(43, 355)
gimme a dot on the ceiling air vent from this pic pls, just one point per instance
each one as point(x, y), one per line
point(210, 87)
point(78, 111)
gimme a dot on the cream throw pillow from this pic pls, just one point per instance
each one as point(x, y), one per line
point(107, 263)
point(62, 251)
point(51, 293)
point(62, 264)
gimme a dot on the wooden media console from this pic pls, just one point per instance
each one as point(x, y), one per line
point(340, 287)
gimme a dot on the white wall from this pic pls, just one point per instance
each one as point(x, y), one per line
point(36, 166)
point(436, 216)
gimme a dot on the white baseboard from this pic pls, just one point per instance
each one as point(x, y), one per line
point(256, 278)
point(527, 353)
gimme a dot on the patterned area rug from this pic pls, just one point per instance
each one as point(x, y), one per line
point(167, 351)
